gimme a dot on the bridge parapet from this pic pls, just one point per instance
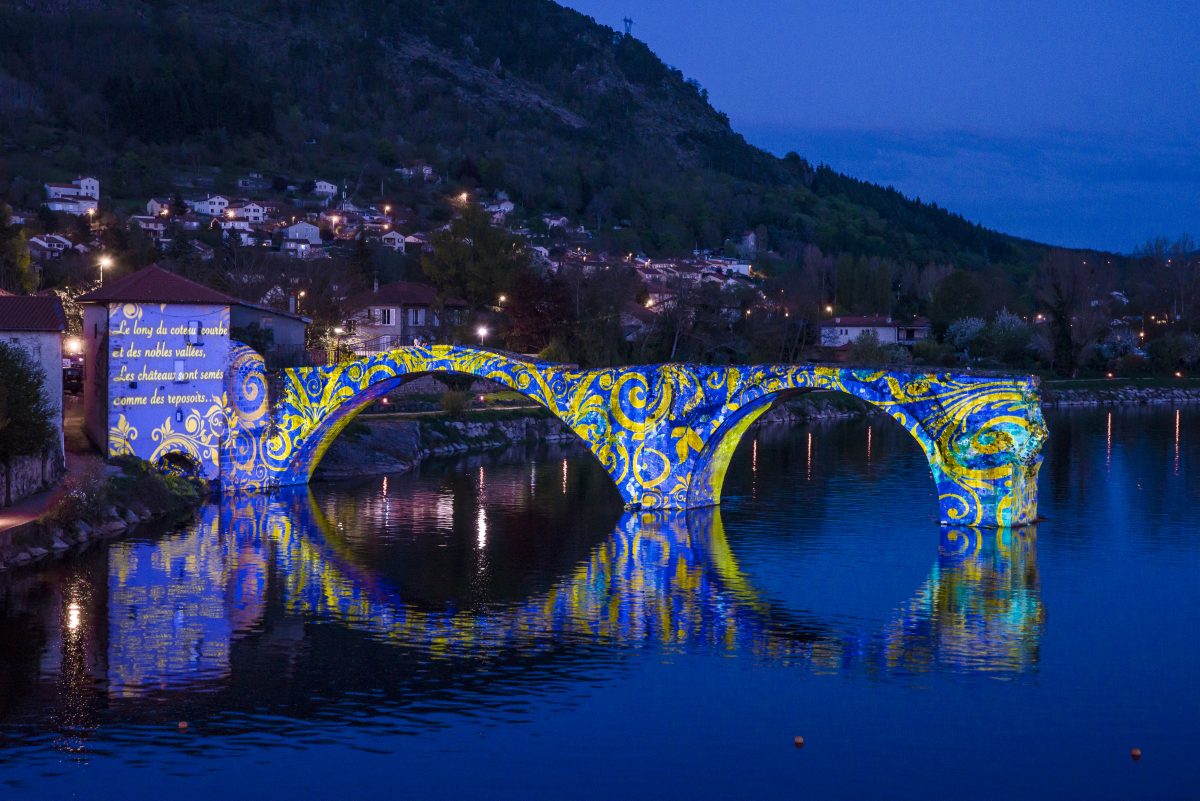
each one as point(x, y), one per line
point(665, 433)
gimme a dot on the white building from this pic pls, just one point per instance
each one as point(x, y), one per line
point(303, 231)
point(842, 331)
point(249, 211)
point(324, 188)
point(84, 186)
point(393, 240)
point(35, 324)
point(156, 206)
point(51, 243)
point(213, 206)
point(79, 206)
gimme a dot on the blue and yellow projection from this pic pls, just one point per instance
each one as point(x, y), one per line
point(665, 433)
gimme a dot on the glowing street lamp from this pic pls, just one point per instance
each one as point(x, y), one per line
point(482, 333)
point(829, 310)
point(503, 299)
point(105, 262)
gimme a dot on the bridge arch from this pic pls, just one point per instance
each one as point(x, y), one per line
point(664, 433)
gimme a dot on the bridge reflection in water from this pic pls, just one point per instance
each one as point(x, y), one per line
point(176, 607)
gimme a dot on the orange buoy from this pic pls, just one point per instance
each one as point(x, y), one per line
point(1136, 753)
point(798, 741)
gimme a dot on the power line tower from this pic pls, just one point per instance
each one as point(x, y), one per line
point(628, 26)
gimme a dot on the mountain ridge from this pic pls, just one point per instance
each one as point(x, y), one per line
point(564, 113)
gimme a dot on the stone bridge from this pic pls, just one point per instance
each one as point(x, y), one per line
point(666, 432)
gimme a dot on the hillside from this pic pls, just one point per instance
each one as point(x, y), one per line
point(522, 95)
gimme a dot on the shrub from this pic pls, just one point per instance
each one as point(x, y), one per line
point(454, 403)
point(84, 496)
point(930, 351)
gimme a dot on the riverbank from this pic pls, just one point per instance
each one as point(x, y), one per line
point(1117, 392)
point(380, 443)
point(98, 503)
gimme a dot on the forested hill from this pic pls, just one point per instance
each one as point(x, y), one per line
point(521, 95)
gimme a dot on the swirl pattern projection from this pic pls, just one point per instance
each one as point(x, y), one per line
point(666, 432)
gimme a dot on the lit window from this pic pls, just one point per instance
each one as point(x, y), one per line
point(179, 371)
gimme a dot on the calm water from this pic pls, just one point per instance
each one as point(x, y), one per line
point(498, 628)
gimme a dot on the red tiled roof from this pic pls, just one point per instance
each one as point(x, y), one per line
point(153, 284)
point(31, 313)
point(401, 293)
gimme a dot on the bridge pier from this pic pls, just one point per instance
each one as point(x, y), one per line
point(665, 433)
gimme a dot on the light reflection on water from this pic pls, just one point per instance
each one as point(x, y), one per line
point(511, 591)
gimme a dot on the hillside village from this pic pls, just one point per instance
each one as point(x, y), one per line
point(315, 222)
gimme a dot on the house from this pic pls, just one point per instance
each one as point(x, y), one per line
point(248, 211)
point(393, 240)
point(324, 188)
point(279, 336)
point(414, 171)
point(84, 186)
point(213, 206)
point(157, 206)
point(299, 248)
point(35, 324)
point(79, 206)
point(303, 231)
point(48, 246)
point(395, 315)
point(254, 180)
point(840, 332)
point(418, 243)
point(154, 226)
point(156, 347)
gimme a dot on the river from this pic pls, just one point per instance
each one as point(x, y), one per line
point(497, 627)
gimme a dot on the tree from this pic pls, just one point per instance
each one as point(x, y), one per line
point(26, 419)
point(964, 333)
point(1010, 339)
point(1073, 287)
point(16, 272)
point(474, 260)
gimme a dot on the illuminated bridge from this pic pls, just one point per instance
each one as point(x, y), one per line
point(665, 433)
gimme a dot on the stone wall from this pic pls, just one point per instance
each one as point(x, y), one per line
point(30, 474)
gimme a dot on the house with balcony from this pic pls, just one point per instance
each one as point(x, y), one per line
point(398, 314)
point(840, 332)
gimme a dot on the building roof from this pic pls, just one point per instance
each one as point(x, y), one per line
point(874, 321)
point(258, 307)
point(400, 293)
point(153, 284)
point(31, 313)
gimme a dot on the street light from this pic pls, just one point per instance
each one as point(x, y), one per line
point(504, 298)
point(829, 310)
point(482, 332)
point(104, 262)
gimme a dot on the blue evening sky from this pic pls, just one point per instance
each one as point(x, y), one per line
point(1073, 123)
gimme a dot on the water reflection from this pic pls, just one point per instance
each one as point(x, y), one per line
point(204, 608)
point(979, 610)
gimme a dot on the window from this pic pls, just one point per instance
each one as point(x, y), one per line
point(179, 371)
point(384, 316)
point(193, 333)
point(416, 316)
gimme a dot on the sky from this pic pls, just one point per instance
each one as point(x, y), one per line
point(1071, 123)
